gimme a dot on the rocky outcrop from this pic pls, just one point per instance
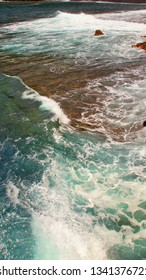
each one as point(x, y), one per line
point(140, 46)
point(98, 32)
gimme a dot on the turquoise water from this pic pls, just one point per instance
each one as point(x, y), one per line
point(69, 193)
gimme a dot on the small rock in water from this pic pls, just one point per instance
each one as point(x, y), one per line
point(98, 32)
point(140, 45)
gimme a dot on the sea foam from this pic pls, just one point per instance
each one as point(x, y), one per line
point(12, 193)
point(47, 104)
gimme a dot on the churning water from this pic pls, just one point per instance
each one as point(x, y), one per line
point(72, 146)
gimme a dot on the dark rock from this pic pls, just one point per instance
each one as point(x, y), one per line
point(98, 32)
point(140, 45)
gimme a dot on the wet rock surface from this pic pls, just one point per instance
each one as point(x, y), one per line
point(98, 32)
point(141, 45)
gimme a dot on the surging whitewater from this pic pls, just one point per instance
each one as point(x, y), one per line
point(73, 164)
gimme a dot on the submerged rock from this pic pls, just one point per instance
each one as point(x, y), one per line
point(140, 45)
point(98, 32)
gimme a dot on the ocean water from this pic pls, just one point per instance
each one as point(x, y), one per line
point(72, 144)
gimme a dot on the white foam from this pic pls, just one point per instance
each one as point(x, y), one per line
point(141, 135)
point(124, 104)
point(72, 35)
point(122, 25)
point(61, 231)
point(62, 21)
point(12, 193)
point(67, 21)
point(143, 131)
point(47, 104)
point(51, 105)
point(59, 240)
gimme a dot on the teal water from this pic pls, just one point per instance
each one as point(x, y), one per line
point(68, 193)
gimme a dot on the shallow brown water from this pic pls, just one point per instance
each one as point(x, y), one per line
point(67, 84)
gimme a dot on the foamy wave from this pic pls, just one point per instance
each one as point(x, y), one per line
point(124, 21)
point(61, 21)
point(47, 104)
